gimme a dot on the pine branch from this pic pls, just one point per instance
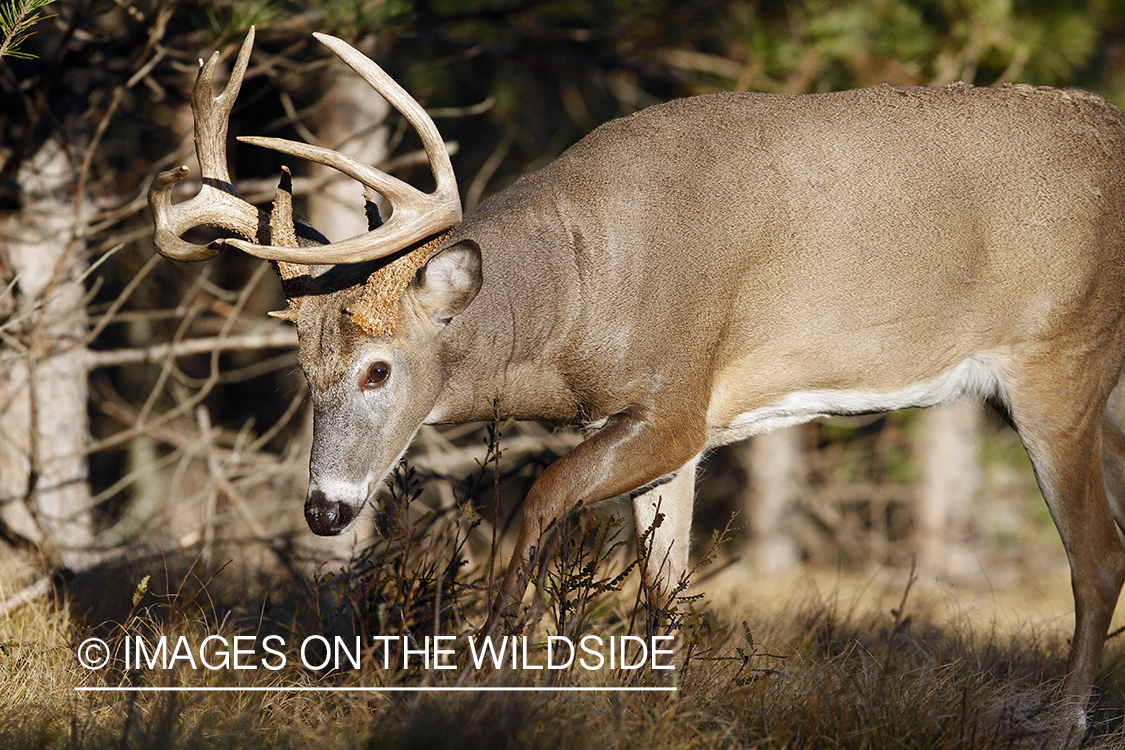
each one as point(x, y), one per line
point(16, 19)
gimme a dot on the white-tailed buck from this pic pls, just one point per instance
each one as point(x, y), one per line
point(709, 269)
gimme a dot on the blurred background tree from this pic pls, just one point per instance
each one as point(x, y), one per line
point(109, 442)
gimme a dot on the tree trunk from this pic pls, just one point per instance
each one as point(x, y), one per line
point(351, 119)
point(950, 483)
point(43, 377)
point(774, 466)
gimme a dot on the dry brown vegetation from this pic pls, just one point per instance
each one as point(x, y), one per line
point(811, 673)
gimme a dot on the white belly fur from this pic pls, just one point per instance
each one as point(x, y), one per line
point(978, 375)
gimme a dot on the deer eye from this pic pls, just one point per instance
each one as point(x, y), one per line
point(375, 376)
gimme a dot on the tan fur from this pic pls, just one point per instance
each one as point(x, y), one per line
point(378, 310)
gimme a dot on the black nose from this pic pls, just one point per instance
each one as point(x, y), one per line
point(327, 517)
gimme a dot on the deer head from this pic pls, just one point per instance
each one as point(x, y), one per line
point(358, 303)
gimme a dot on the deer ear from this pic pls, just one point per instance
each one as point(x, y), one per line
point(448, 282)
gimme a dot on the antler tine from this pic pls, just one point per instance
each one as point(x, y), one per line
point(415, 215)
point(212, 113)
point(418, 118)
point(218, 203)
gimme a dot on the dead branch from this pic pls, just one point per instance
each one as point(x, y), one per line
point(279, 338)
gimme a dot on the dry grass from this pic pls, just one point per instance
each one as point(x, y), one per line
point(812, 674)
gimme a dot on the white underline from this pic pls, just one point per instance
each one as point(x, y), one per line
point(300, 689)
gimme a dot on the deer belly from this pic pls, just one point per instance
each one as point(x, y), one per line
point(978, 375)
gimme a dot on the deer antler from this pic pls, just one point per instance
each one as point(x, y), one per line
point(218, 203)
point(415, 215)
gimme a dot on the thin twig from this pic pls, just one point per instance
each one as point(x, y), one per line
point(899, 622)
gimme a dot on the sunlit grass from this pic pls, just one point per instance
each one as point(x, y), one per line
point(820, 675)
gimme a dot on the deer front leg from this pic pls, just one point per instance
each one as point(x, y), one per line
point(629, 452)
point(665, 554)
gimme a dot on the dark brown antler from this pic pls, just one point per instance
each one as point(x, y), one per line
point(283, 230)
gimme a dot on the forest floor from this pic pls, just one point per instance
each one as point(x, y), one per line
point(812, 658)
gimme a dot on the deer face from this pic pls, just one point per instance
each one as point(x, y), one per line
point(370, 349)
point(371, 393)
